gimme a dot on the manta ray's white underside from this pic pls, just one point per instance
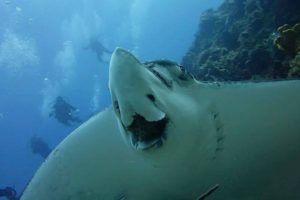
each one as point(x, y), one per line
point(169, 137)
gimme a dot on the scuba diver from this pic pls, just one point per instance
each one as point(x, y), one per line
point(63, 112)
point(39, 146)
point(9, 192)
point(98, 48)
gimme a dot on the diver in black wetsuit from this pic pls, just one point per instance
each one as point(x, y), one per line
point(39, 146)
point(63, 112)
point(9, 192)
point(98, 48)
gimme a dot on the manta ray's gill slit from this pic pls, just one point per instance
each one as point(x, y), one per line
point(148, 133)
point(218, 126)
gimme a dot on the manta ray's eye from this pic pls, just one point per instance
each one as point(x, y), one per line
point(185, 75)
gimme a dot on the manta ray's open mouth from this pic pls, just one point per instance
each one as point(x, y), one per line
point(145, 134)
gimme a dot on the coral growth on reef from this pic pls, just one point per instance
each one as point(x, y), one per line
point(294, 70)
point(289, 42)
point(289, 39)
point(236, 41)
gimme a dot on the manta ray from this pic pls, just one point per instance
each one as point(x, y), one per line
point(167, 136)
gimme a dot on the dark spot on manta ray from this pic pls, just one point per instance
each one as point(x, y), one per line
point(215, 115)
point(117, 108)
point(151, 97)
point(147, 132)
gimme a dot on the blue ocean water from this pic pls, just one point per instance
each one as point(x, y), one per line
point(44, 54)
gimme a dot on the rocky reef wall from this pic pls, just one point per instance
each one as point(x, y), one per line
point(245, 40)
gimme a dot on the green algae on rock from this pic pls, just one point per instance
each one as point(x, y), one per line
point(289, 39)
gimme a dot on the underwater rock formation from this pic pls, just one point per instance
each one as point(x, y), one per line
point(294, 70)
point(240, 40)
point(289, 39)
